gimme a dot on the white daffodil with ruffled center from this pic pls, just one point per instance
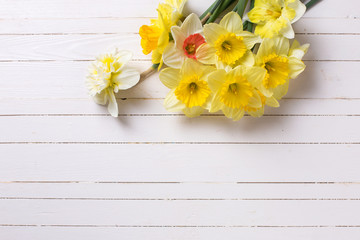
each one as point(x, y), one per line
point(188, 43)
point(281, 63)
point(109, 74)
point(234, 90)
point(274, 17)
point(230, 43)
point(190, 92)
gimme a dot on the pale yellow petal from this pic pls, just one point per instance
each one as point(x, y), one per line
point(216, 104)
point(281, 91)
point(255, 75)
point(249, 39)
point(212, 32)
point(206, 54)
point(296, 67)
point(216, 79)
point(272, 102)
point(170, 77)
point(193, 112)
point(248, 59)
point(232, 23)
point(299, 8)
point(172, 104)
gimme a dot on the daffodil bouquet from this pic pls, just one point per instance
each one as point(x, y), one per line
point(236, 64)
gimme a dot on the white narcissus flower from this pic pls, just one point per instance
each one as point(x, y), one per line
point(107, 75)
point(188, 43)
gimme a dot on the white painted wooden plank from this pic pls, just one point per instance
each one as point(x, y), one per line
point(193, 233)
point(87, 46)
point(25, 106)
point(180, 163)
point(56, 80)
point(181, 213)
point(180, 129)
point(131, 25)
point(139, 8)
point(177, 191)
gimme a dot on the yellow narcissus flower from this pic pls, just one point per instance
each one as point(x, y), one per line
point(190, 92)
point(274, 17)
point(235, 92)
point(109, 74)
point(188, 43)
point(231, 44)
point(155, 38)
point(281, 63)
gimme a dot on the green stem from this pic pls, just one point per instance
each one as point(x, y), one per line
point(208, 10)
point(250, 25)
point(223, 6)
point(311, 3)
point(240, 7)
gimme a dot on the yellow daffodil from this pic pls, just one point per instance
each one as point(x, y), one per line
point(234, 91)
point(274, 17)
point(281, 63)
point(190, 92)
point(230, 43)
point(109, 74)
point(155, 38)
point(188, 43)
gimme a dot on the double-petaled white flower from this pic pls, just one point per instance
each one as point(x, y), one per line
point(107, 75)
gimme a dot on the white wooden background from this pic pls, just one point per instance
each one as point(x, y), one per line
point(70, 171)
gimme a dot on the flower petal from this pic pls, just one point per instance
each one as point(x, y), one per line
point(255, 75)
point(255, 100)
point(281, 45)
point(123, 56)
point(173, 57)
point(296, 67)
point(272, 102)
point(281, 91)
point(248, 59)
point(287, 31)
point(212, 32)
point(178, 36)
point(191, 25)
point(299, 8)
point(206, 54)
point(126, 79)
point(249, 39)
point(112, 106)
point(234, 113)
point(170, 77)
point(100, 98)
point(298, 51)
point(172, 104)
point(232, 22)
point(216, 79)
point(193, 112)
point(216, 104)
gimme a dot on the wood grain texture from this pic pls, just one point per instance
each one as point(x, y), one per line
point(70, 171)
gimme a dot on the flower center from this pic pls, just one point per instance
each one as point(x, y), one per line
point(226, 46)
point(230, 48)
point(277, 70)
point(236, 93)
point(191, 44)
point(192, 91)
